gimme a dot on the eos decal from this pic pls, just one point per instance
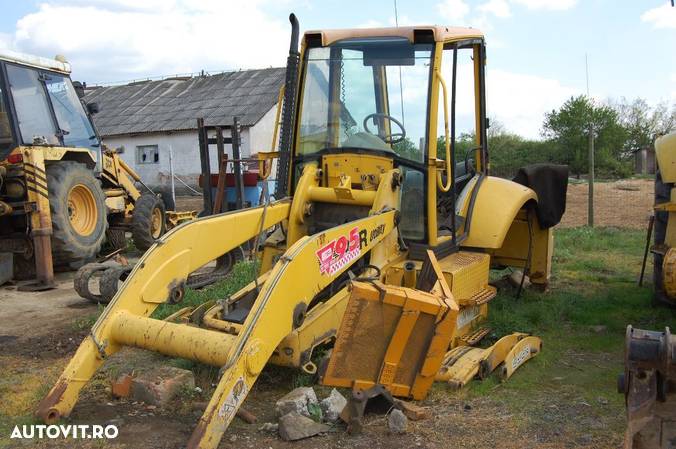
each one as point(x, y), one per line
point(339, 252)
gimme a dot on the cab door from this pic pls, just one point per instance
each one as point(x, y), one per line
point(460, 128)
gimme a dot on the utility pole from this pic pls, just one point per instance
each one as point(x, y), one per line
point(590, 200)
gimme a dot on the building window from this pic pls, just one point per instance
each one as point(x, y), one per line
point(147, 154)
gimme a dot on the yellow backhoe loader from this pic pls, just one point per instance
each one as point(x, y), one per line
point(61, 191)
point(368, 206)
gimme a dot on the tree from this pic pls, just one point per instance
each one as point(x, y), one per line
point(642, 123)
point(569, 128)
point(407, 149)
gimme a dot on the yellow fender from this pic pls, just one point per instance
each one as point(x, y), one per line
point(496, 205)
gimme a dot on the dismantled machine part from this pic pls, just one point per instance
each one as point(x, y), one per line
point(649, 386)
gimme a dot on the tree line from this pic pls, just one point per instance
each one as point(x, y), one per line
point(620, 128)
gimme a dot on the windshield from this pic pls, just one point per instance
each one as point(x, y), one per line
point(32, 103)
point(368, 94)
point(75, 125)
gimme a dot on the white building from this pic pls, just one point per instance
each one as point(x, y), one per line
point(153, 119)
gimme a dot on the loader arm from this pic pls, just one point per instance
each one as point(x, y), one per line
point(158, 277)
point(291, 285)
point(118, 173)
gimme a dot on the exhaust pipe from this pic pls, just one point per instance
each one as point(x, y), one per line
point(288, 113)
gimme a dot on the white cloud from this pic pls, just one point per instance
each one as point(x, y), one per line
point(554, 5)
point(116, 40)
point(499, 8)
point(453, 10)
point(520, 101)
point(661, 17)
point(5, 41)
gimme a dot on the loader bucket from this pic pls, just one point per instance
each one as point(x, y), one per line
point(392, 336)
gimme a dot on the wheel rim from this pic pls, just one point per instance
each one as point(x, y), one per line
point(156, 223)
point(82, 211)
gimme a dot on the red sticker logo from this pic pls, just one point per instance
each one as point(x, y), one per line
point(339, 252)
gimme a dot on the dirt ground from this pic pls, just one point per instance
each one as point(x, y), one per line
point(41, 331)
point(184, 203)
point(625, 204)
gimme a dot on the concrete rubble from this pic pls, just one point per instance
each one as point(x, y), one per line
point(155, 387)
point(294, 426)
point(397, 422)
point(301, 400)
point(332, 405)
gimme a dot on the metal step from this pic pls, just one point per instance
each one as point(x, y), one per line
point(475, 337)
point(480, 297)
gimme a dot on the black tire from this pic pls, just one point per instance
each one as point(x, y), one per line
point(165, 193)
point(142, 221)
point(115, 239)
point(82, 279)
point(75, 241)
point(662, 195)
point(110, 282)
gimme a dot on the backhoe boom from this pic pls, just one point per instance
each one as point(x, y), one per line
point(158, 277)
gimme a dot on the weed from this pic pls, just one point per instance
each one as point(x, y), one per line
point(241, 275)
point(86, 322)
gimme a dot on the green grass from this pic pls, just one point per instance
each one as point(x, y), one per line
point(582, 319)
point(594, 282)
point(241, 275)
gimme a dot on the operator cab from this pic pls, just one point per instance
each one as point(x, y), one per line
point(384, 96)
point(40, 107)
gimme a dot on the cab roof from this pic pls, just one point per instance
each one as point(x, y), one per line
point(36, 61)
point(439, 33)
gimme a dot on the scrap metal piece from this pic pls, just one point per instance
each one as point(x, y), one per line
point(649, 386)
point(377, 396)
point(460, 366)
point(464, 363)
point(524, 350)
point(499, 352)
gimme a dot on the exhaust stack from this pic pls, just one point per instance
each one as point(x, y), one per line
point(288, 112)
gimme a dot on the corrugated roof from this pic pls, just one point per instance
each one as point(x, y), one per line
point(175, 104)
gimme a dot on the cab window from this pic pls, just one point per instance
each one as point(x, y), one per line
point(32, 108)
point(75, 126)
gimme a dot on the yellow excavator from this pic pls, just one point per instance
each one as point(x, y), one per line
point(372, 215)
point(63, 193)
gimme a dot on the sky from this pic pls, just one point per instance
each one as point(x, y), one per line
point(536, 48)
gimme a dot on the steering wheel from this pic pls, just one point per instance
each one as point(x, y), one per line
point(393, 137)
